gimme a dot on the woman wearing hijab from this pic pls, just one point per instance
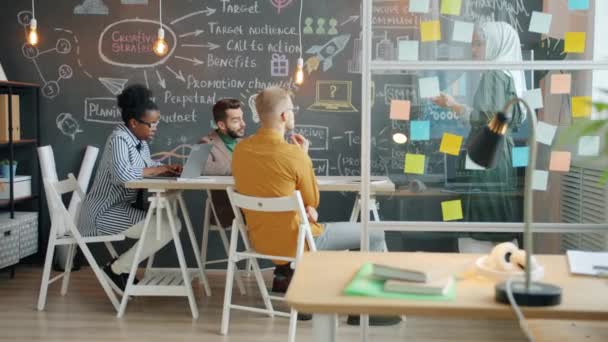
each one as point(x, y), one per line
point(499, 42)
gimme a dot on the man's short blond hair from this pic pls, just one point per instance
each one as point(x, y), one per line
point(271, 102)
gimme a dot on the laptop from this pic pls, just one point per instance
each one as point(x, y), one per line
point(333, 96)
point(195, 164)
point(460, 175)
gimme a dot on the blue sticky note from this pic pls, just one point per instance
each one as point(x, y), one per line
point(578, 5)
point(520, 156)
point(420, 130)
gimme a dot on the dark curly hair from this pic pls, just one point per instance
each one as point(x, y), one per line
point(134, 101)
point(221, 106)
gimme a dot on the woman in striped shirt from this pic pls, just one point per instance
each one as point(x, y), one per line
point(111, 208)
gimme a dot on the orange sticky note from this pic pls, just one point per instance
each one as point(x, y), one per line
point(575, 42)
point(430, 31)
point(450, 144)
point(400, 110)
point(560, 161)
point(581, 106)
point(561, 83)
point(451, 7)
point(414, 163)
point(451, 210)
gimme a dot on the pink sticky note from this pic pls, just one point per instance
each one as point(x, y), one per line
point(561, 83)
point(400, 110)
point(560, 161)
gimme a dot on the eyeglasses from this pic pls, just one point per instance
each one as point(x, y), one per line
point(149, 124)
point(294, 109)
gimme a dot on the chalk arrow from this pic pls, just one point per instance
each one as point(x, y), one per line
point(211, 46)
point(179, 76)
point(208, 12)
point(351, 18)
point(161, 80)
point(194, 61)
point(195, 33)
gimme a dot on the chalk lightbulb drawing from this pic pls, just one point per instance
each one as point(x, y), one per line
point(280, 4)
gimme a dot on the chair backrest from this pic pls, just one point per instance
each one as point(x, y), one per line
point(47, 165)
point(61, 218)
point(274, 204)
point(48, 169)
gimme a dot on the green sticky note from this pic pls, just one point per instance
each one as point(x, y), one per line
point(451, 210)
point(451, 7)
point(414, 163)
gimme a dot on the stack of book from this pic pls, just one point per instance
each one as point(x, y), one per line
point(402, 280)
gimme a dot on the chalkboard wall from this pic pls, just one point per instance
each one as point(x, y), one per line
point(91, 49)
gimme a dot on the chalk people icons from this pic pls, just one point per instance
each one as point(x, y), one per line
point(319, 26)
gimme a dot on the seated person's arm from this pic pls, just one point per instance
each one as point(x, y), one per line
point(123, 169)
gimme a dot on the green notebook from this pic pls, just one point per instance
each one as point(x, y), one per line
point(364, 285)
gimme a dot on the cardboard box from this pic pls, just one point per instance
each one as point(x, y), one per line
point(4, 134)
point(22, 187)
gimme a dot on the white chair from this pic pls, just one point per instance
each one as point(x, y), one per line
point(64, 232)
point(210, 212)
point(282, 204)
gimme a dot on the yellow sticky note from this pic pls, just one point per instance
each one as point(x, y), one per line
point(451, 7)
point(561, 83)
point(581, 106)
point(575, 42)
point(414, 163)
point(452, 210)
point(450, 144)
point(400, 110)
point(430, 31)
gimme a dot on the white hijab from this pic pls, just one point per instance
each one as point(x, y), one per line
point(503, 45)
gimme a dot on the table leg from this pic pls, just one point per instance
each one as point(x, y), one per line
point(182, 260)
point(324, 327)
point(197, 256)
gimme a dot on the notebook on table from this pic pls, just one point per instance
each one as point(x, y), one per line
point(366, 285)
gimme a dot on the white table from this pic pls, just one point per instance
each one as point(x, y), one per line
point(168, 196)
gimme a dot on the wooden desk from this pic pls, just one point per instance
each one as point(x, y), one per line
point(321, 277)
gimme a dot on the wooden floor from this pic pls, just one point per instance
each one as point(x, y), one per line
point(85, 314)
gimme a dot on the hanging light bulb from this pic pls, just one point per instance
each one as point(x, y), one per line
point(32, 34)
point(399, 138)
point(160, 45)
point(300, 72)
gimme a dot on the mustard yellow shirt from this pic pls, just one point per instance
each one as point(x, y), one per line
point(265, 165)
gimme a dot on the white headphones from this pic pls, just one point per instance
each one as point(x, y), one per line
point(507, 257)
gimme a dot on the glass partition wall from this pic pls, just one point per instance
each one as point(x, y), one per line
point(436, 72)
